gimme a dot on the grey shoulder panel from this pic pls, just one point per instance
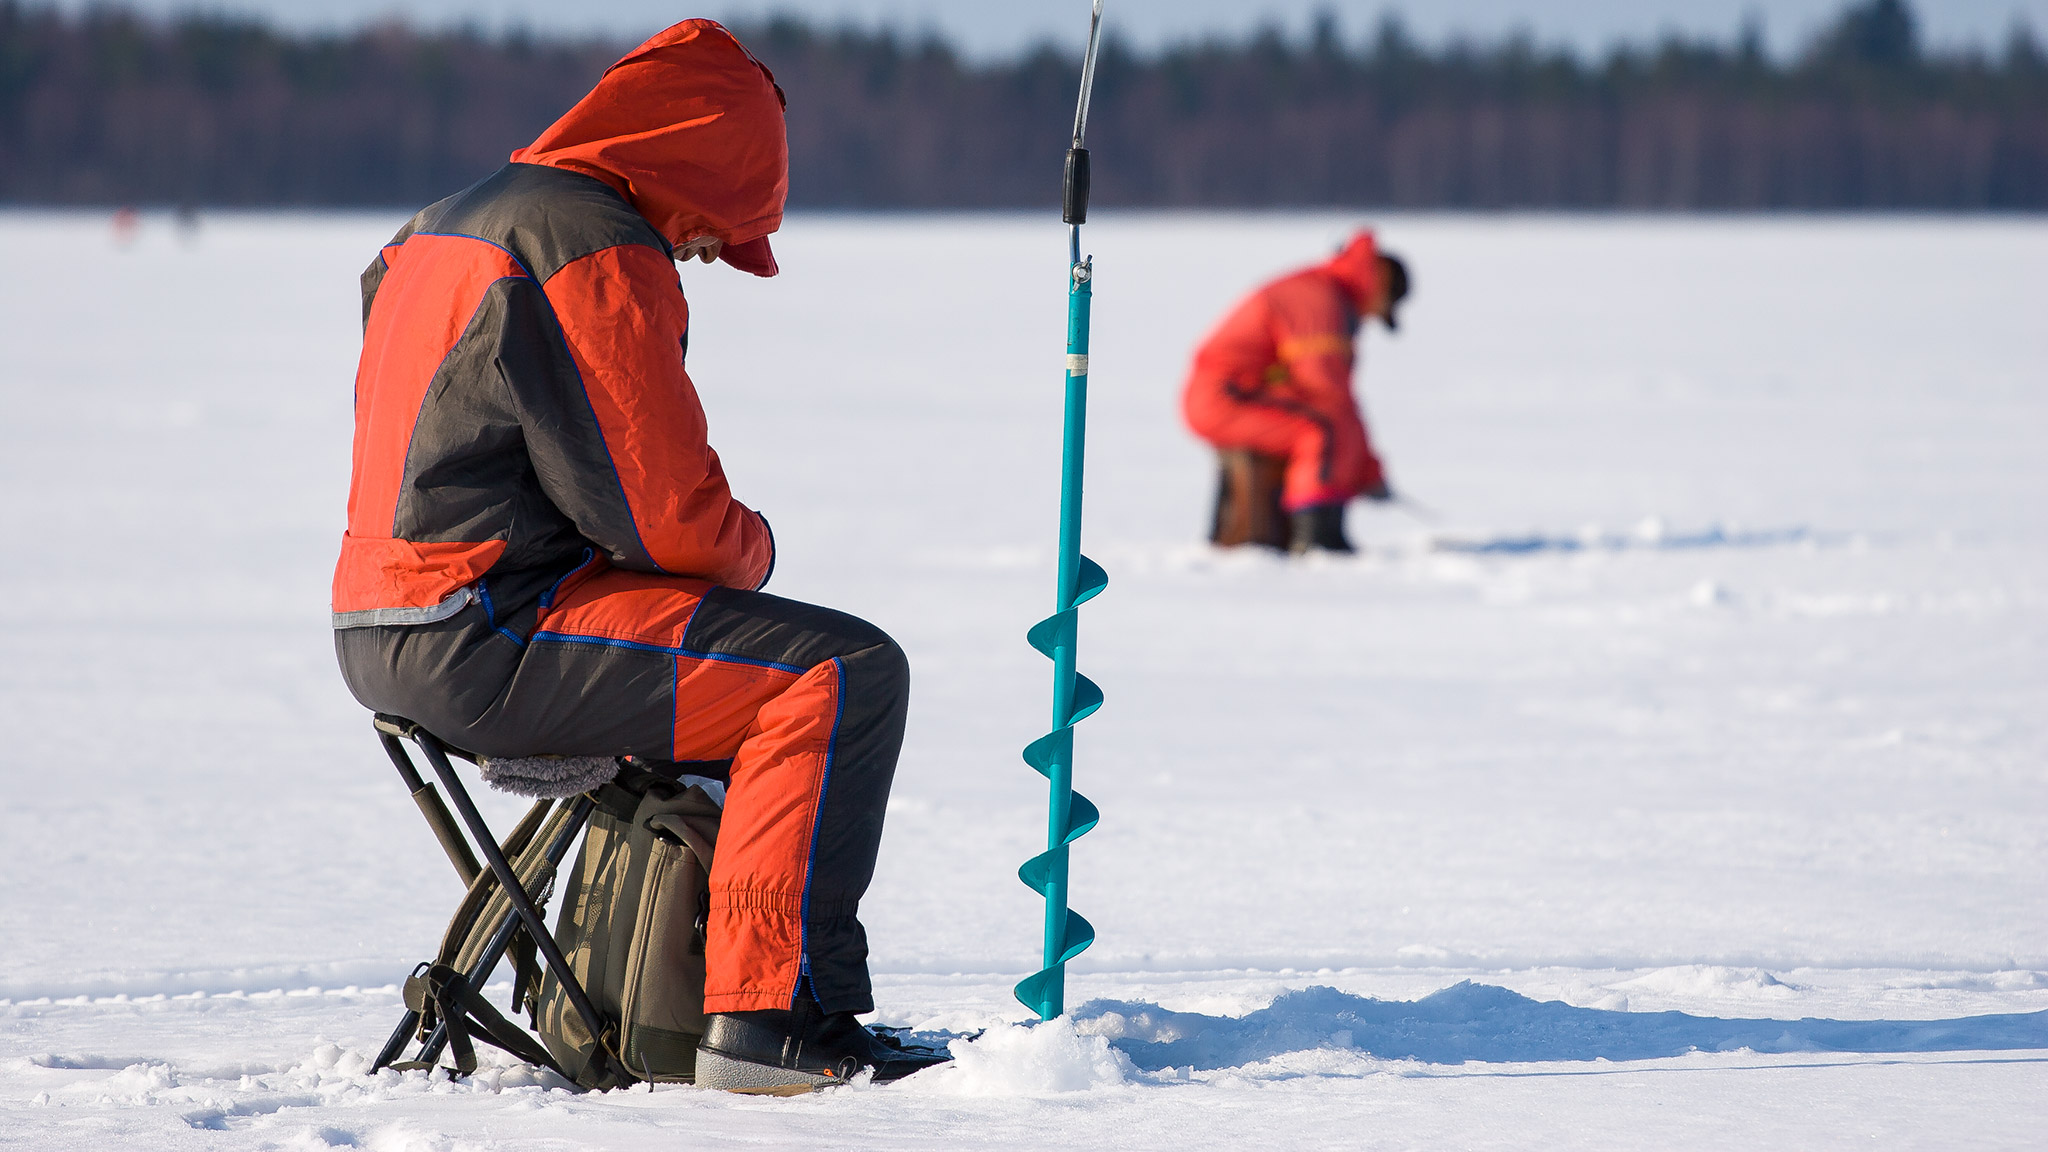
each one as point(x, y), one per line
point(547, 218)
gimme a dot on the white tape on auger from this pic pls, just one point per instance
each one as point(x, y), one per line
point(1077, 365)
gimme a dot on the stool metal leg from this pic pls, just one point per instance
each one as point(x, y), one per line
point(457, 847)
point(522, 904)
point(400, 1037)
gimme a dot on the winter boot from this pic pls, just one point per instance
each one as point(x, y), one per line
point(1319, 528)
point(779, 1053)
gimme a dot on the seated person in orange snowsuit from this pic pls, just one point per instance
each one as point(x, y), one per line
point(1272, 385)
point(543, 556)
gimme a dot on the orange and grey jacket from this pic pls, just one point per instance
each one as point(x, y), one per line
point(522, 402)
point(1284, 356)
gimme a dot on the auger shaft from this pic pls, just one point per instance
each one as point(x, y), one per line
point(1064, 671)
point(1074, 696)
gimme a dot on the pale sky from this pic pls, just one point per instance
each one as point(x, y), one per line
point(994, 27)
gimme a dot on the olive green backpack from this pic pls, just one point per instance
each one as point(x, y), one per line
point(632, 924)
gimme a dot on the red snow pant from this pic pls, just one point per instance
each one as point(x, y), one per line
point(1329, 460)
point(807, 703)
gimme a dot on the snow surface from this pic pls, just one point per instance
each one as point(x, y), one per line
point(1676, 775)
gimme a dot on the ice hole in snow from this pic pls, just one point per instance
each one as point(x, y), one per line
point(1029, 1060)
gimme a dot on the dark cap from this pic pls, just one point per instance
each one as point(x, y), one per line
point(1396, 285)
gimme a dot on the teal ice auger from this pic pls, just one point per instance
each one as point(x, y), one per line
point(1074, 696)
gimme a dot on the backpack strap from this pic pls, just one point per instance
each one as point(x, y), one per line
point(699, 836)
point(526, 972)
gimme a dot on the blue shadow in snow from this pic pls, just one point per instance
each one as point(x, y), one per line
point(1480, 1022)
point(1714, 537)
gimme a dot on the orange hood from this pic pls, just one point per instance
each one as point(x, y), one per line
point(688, 128)
point(1357, 267)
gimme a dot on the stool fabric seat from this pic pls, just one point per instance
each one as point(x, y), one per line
point(547, 777)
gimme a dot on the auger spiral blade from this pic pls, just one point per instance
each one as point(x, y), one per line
point(1058, 628)
point(1045, 990)
point(1075, 697)
point(1082, 815)
point(1092, 580)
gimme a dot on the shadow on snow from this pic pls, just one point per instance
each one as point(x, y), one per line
point(1713, 537)
point(1483, 1023)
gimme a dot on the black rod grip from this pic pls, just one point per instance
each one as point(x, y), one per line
point(1074, 203)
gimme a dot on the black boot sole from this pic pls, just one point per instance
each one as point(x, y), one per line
point(724, 1073)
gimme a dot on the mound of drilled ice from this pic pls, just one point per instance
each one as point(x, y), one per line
point(1710, 982)
point(1029, 1059)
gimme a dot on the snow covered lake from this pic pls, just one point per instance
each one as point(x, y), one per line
point(1682, 783)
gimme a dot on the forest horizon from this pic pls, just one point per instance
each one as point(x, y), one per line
point(109, 107)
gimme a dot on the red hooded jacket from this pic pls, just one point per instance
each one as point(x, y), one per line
point(522, 405)
point(1275, 377)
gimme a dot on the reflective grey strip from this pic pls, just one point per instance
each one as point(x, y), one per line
point(369, 618)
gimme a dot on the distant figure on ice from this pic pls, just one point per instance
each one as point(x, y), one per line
point(1271, 389)
point(543, 557)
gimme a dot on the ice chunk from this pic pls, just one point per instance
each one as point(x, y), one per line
point(1029, 1060)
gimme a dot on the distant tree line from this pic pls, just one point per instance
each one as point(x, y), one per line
point(108, 107)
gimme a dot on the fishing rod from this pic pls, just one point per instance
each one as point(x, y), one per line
point(1416, 509)
point(1074, 696)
